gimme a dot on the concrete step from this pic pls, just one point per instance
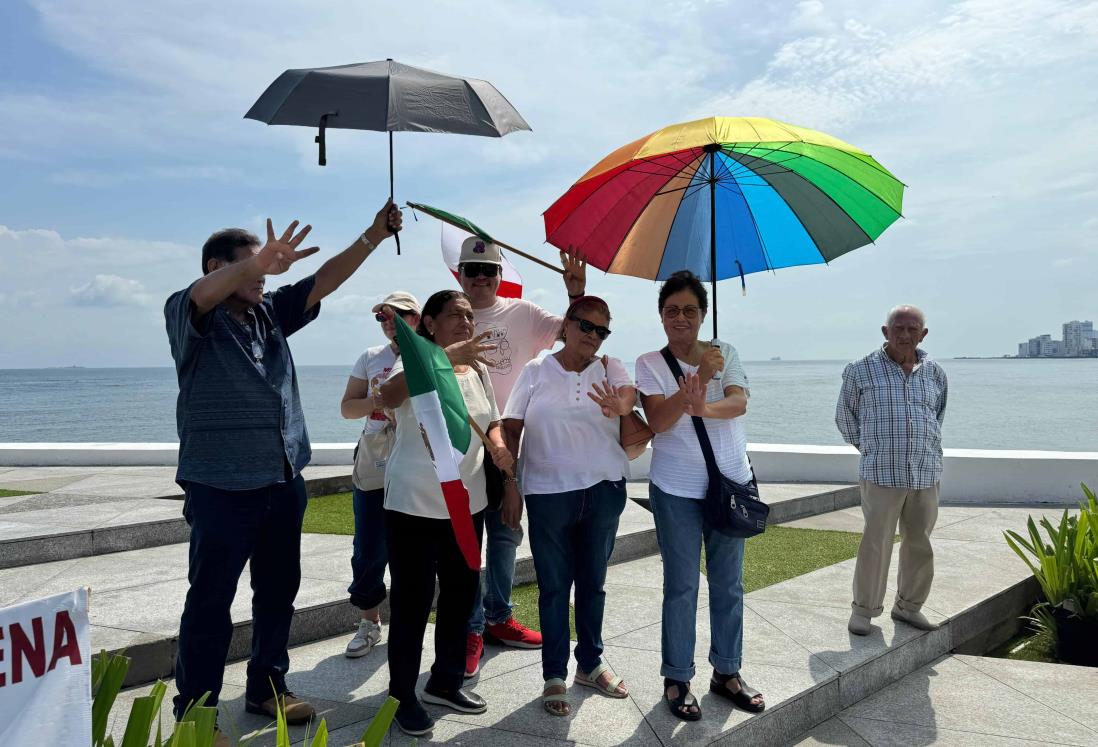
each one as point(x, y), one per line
point(797, 651)
point(138, 594)
point(62, 524)
point(107, 513)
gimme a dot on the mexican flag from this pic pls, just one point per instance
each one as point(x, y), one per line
point(444, 423)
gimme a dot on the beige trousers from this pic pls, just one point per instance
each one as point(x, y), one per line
point(915, 511)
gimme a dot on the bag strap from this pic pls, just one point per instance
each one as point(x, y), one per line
point(699, 424)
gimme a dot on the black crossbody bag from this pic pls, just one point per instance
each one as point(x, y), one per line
point(732, 508)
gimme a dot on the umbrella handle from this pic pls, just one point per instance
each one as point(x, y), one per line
point(396, 233)
point(319, 139)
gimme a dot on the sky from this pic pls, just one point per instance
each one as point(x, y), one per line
point(123, 146)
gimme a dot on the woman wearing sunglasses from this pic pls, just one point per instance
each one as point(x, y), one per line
point(362, 400)
point(714, 387)
point(565, 408)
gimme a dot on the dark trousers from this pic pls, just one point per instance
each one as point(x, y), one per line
point(419, 550)
point(369, 556)
point(572, 538)
point(228, 529)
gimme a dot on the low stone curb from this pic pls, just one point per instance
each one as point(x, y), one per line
point(83, 543)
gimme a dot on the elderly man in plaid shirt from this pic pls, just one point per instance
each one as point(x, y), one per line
point(891, 409)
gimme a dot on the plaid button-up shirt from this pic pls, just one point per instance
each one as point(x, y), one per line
point(894, 419)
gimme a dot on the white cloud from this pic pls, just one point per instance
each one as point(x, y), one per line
point(111, 291)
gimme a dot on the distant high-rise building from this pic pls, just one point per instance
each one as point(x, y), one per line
point(1023, 350)
point(1077, 336)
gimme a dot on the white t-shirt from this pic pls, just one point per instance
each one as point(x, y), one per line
point(678, 466)
point(411, 483)
point(567, 443)
point(520, 330)
point(374, 366)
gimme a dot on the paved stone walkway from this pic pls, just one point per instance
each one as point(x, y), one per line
point(796, 650)
point(972, 700)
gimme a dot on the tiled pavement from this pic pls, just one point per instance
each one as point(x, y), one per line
point(796, 650)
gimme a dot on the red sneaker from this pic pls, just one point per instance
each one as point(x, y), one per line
point(474, 649)
point(513, 633)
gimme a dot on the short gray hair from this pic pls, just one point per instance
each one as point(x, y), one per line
point(905, 308)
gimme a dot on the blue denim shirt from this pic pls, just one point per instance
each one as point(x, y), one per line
point(239, 413)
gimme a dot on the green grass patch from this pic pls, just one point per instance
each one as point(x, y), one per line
point(781, 553)
point(330, 514)
point(1027, 646)
point(778, 554)
point(5, 493)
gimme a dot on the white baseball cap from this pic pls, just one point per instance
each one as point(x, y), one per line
point(476, 249)
point(401, 300)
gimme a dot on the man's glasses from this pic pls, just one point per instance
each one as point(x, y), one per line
point(476, 269)
point(381, 316)
point(587, 327)
point(690, 312)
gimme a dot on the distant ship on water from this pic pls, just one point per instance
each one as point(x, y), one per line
point(776, 358)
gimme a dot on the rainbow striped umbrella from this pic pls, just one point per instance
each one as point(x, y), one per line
point(725, 197)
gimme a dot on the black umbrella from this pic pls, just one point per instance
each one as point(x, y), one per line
point(387, 97)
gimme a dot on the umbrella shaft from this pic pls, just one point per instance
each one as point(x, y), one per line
point(713, 233)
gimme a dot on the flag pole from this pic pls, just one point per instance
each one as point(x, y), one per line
point(487, 443)
point(497, 242)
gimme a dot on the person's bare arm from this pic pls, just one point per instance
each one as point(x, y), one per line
point(732, 405)
point(512, 434)
point(501, 455)
point(274, 258)
point(357, 401)
point(336, 270)
point(663, 412)
point(394, 391)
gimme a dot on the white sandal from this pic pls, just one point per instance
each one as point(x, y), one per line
point(562, 698)
point(592, 680)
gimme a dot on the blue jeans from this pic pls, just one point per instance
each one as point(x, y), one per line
point(229, 529)
point(680, 530)
point(369, 557)
point(493, 601)
point(571, 537)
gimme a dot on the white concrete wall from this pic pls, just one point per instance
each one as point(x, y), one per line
point(971, 475)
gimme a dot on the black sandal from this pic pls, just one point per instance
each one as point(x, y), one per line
point(680, 702)
point(741, 698)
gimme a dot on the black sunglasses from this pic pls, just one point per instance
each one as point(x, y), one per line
point(587, 327)
point(381, 316)
point(474, 269)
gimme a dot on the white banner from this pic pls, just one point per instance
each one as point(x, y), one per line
point(45, 672)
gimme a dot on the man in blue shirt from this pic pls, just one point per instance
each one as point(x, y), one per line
point(242, 446)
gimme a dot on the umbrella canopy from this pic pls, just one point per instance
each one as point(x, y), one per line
point(724, 197)
point(388, 97)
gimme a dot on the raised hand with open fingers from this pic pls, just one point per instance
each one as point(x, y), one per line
point(470, 351)
point(278, 254)
point(575, 271)
point(694, 389)
point(608, 398)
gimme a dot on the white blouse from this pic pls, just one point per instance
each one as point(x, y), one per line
point(411, 483)
point(678, 466)
point(567, 443)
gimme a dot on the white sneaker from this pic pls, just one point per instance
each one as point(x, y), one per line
point(368, 634)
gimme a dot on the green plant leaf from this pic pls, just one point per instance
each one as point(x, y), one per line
point(184, 735)
point(379, 725)
point(320, 739)
point(108, 674)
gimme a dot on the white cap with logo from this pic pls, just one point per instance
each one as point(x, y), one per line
point(400, 300)
point(476, 249)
